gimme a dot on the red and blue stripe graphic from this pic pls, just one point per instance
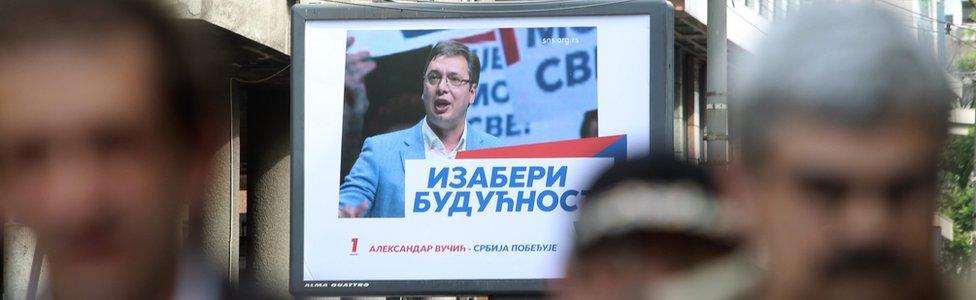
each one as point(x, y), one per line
point(505, 35)
point(609, 146)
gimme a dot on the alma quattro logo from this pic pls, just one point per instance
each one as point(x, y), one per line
point(337, 284)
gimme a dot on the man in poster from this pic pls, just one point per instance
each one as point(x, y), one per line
point(374, 186)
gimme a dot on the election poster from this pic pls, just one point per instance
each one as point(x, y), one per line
point(460, 151)
point(517, 99)
point(390, 65)
point(535, 85)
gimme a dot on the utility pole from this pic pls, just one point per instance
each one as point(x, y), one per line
point(716, 100)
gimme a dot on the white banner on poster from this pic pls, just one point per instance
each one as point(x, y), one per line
point(522, 221)
point(489, 187)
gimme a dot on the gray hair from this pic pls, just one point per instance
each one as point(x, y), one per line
point(851, 65)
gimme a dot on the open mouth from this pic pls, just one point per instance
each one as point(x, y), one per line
point(441, 105)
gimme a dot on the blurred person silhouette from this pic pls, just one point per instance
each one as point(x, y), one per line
point(644, 222)
point(105, 139)
point(590, 127)
point(355, 104)
point(841, 116)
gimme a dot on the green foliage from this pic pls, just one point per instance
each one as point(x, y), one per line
point(966, 63)
point(956, 203)
point(972, 15)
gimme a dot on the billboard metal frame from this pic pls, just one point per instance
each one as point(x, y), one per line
point(661, 116)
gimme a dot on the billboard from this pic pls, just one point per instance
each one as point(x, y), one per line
point(451, 156)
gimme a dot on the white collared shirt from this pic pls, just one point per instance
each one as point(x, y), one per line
point(434, 148)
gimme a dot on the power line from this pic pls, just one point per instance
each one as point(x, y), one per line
point(746, 20)
point(763, 7)
point(912, 12)
point(961, 41)
point(275, 74)
point(923, 29)
point(924, 16)
point(954, 37)
point(957, 38)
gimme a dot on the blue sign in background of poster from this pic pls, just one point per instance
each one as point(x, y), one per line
point(558, 74)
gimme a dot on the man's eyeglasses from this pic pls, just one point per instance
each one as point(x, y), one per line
point(434, 79)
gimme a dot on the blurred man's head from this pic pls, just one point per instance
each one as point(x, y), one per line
point(644, 222)
point(841, 116)
point(450, 84)
point(101, 141)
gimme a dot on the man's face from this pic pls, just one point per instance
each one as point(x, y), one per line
point(89, 163)
point(847, 213)
point(446, 104)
